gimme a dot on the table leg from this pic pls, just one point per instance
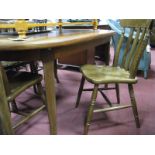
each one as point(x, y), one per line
point(48, 67)
point(5, 116)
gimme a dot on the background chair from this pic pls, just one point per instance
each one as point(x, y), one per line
point(16, 82)
point(145, 60)
point(24, 65)
point(124, 72)
point(15, 65)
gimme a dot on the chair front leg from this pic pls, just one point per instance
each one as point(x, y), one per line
point(90, 109)
point(80, 91)
point(134, 106)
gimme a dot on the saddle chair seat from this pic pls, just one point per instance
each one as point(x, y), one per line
point(106, 74)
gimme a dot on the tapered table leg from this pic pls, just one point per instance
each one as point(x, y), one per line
point(48, 65)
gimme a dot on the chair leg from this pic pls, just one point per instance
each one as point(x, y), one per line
point(134, 106)
point(34, 69)
point(35, 89)
point(145, 74)
point(90, 109)
point(41, 93)
point(105, 97)
point(56, 71)
point(14, 107)
point(117, 93)
point(80, 92)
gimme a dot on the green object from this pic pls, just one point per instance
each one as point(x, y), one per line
point(117, 73)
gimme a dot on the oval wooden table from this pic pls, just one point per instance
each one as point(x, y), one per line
point(46, 47)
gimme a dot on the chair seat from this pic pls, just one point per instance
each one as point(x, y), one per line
point(106, 74)
point(20, 81)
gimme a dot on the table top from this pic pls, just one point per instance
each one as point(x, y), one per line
point(52, 39)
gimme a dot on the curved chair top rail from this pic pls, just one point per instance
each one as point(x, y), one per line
point(138, 23)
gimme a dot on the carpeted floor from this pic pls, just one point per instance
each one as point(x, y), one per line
point(70, 120)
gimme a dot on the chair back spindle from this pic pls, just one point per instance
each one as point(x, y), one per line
point(136, 43)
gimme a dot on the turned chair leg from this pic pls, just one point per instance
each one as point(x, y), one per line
point(117, 93)
point(80, 92)
point(90, 109)
point(134, 106)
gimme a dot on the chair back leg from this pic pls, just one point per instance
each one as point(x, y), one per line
point(134, 106)
point(56, 71)
point(117, 93)
point(41, 93)
point(80, 92)
point(14, 107)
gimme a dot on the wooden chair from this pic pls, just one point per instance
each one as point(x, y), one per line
point(117, 73)
point(16, 82)
point(18, 65)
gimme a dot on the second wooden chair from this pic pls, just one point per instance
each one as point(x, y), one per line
point(12, 84)
point(124, 73)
